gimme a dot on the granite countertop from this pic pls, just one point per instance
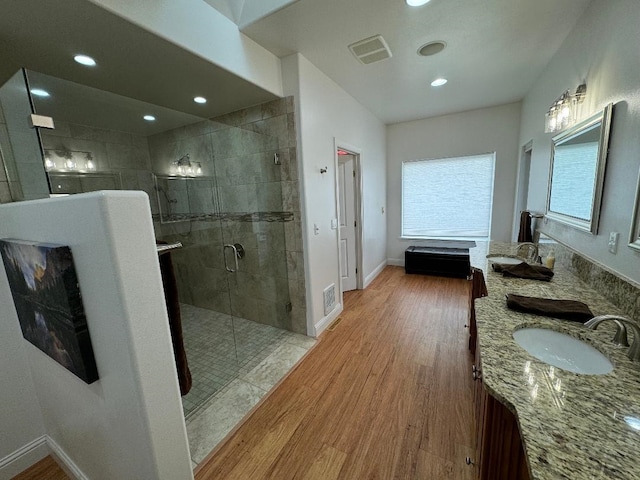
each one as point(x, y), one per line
point(572, 425)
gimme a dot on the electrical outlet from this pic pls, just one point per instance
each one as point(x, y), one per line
point(316, 229)
point(613, 242)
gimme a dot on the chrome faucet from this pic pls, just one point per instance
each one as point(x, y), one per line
point(528, 251)
point(620, 337)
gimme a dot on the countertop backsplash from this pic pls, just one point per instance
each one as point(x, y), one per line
point(622, 292)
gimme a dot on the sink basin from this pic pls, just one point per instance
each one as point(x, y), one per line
point(504, 260)
point(562, 351)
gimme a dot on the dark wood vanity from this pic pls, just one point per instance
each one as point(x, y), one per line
point(499, 452)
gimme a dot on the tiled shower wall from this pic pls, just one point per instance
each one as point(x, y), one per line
point(277, 119)
point(243, 143)
point(238, 150)
point(115, 152)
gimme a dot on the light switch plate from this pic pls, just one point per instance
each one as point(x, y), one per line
point(613, 242)
point(334, 223)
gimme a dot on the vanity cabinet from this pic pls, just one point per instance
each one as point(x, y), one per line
point(499, 454)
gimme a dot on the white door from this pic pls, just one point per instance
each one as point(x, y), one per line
point(346, 200)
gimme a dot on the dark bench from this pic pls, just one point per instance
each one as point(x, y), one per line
point(438, 259)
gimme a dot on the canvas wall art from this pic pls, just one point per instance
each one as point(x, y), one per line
point(46, 294)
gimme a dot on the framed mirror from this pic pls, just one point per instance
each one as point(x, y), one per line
point(576, 179)
point(634, 236)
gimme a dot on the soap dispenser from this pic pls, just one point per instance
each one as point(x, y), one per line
point(550, 261)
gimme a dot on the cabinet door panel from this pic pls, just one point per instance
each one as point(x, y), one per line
point(499, 452)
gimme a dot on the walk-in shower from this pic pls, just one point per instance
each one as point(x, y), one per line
point(222, 198)
point(226, 189)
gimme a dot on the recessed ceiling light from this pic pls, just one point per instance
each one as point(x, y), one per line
point(149, 118)
point(431, 48)
point(85, 60)
point(438, 82)
point(200, 100)
point(417, 3)
point(38, 92)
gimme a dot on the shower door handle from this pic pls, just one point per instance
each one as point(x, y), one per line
point(235, 257)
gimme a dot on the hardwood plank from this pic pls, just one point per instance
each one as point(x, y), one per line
point(45, 468)
point(326, 465)
point(387, 394)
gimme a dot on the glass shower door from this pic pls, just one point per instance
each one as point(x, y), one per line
point(248, 184)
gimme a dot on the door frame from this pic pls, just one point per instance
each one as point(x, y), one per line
point(357, 194)
point(523, 176)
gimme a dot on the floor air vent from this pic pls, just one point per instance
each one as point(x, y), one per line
point(370, 50)
point(329, 298)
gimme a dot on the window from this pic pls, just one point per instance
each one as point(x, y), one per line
point(448, 197)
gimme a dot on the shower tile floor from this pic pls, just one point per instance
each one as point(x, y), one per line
point(234, 362)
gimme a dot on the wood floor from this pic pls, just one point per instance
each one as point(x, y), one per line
point(387, 394)
point(47, 468)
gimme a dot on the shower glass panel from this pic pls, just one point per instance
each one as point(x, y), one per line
point(233, 264)
point(182, 199)
point(19, 143)
point(249, 192)
point(214, 187)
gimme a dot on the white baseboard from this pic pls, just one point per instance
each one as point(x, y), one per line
point(326, 321)
point(372, 276)
point(32, 453)
point(398, 262)
point(65, 462)
point(24, 457)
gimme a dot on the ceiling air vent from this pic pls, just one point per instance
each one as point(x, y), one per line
point(369, 50)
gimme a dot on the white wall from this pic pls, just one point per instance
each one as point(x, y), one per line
point(196, 26)
point(485, 130)
point(129, 423)
point(603, 50)
point(326, 112)
point(20, 418)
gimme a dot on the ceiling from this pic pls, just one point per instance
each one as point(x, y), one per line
point(496, 49)
point(72, 102)
point(43, 37)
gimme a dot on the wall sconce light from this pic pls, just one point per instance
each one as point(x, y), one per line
point(69, 164)
point(184, 167)
point(565, 110)
point(48, 163)
point(89, 164)
point(70, 161)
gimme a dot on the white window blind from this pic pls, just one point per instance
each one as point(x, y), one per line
point(448, 197)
